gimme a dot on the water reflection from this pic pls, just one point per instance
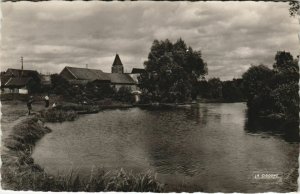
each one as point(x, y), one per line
point(204, 145)
point(289, 133)
point(169, 157)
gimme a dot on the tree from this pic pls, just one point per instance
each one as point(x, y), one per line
point(274, 93)
point(215, 88)
point(34, 85)
point(172, 71)
point(203, 89)
point(284, 61)
point(232, 90)
point(124, 95)
point(294, 7)
point(255, 81)
point(99, 91)
point(59, 84)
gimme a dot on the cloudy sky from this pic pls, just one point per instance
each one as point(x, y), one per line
point(231, 35)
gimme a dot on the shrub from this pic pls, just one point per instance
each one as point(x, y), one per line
point(124, 95)
point(56, 115)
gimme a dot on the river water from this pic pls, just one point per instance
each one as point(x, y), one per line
point(210, 147)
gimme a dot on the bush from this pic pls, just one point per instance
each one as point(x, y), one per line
point(56, 115)
point(124, 95)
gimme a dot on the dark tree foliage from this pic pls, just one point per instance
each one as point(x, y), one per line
point(274, 93)
point(124, 95)
point(172, 71)
point(284, 61)
point(227, 91)
point(34, 85)
point(98, 91)
point(203, 89)
point(60, 85)
point(80, 93)
point(215, 86)
point(256, 81)
point(232, 91)
point(294, 7)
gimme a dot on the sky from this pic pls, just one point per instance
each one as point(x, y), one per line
point(230, 35)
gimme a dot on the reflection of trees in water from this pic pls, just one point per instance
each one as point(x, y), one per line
point(169, 144)
point(289, 133)
point(201, 114)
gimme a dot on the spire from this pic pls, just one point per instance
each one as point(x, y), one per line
point(117, 66)
point(117, 61)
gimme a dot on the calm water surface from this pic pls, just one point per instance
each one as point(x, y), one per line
point(208, 147)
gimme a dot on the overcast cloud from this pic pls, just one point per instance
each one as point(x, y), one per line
point(231, 35)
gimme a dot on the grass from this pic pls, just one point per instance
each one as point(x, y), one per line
point(19, 172)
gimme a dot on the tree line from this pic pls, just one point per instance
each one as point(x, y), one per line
point(176, 73)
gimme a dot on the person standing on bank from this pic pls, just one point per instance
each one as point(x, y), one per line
point(29, 102)
point(46, 101)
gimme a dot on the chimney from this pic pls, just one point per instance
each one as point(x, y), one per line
point(22, 63)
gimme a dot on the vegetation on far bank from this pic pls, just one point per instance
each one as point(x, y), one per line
point(272, 94)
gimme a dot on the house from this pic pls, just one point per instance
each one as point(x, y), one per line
point(117, 78)
point(17, 85)
point(82, 76)
point(135, 73)
point(18, 80)
point(138, 71)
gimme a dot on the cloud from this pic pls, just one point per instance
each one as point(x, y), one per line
point(231, 35)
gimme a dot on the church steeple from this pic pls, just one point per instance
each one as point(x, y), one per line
point(117, 66)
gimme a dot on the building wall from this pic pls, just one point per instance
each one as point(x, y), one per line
point(14, 91)
point(135, 76)
point(118, 86)
point(23, 91)
point(117, 69)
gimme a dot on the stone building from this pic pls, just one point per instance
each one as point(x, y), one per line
point(117, 78)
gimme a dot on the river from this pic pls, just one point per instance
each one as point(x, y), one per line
point(210, 147)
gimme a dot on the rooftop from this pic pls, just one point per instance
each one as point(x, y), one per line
point(119, 78)
point(17, 82)
point(87, 74)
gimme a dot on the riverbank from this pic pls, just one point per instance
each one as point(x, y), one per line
point(274, 120)
point(217, 100)
point(19, 172)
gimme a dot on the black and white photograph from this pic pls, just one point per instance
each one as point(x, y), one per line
point(150, 96)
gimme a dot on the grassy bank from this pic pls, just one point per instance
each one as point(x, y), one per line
point(19, 172)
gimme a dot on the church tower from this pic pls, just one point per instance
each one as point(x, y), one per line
point(117, 66)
